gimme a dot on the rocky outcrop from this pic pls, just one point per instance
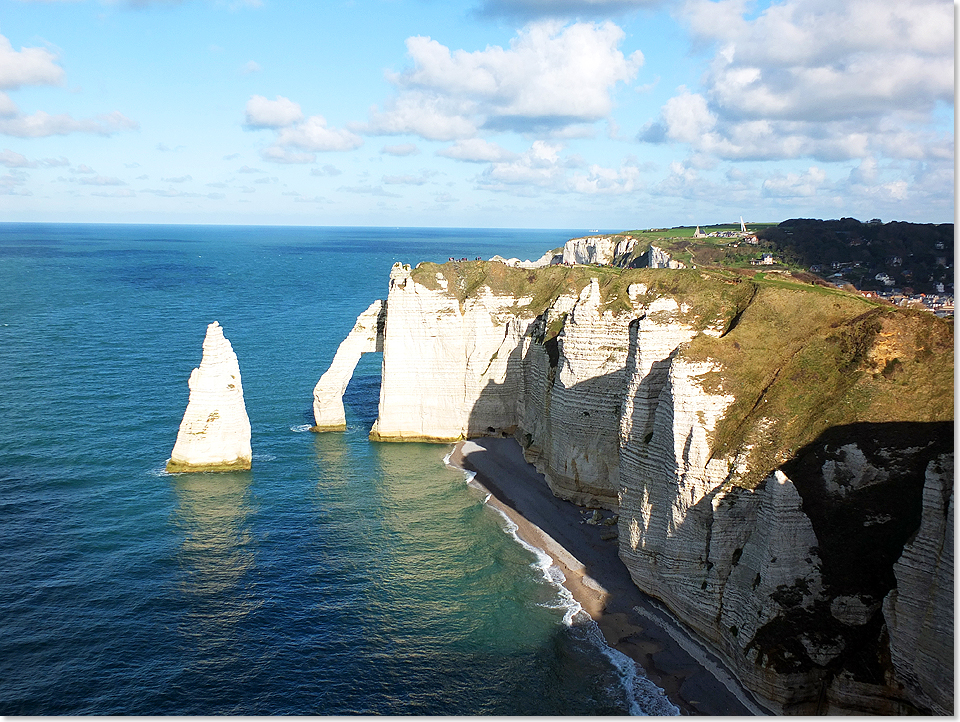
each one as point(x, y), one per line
point(547, 259)
point(366, 337)
point(603, 250)
point(919, 611)
point(215, 432)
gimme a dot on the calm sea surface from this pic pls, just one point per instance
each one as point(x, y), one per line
point(339, 576)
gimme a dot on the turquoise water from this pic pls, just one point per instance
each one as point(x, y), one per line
point(339, 576)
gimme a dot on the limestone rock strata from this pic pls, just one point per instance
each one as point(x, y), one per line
point(366, 337)
point(447, 368)
point(215, 432)
point(919, 611)
point(597, 249)
point(570, 424)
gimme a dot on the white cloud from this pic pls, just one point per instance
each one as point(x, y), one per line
point(251, 67)
point(11, 182)
point(42, 124)
point(816, 78)
point(477, 150)
point(551, 77)
point(178, 179)
point(327, 170)
point(99, 180)
point(279, 113)
point(14, 160)
point(29, 66)
point(810, 183)
point(544, 167)
point(298, 138)
point(314, 135)
point(38, 66)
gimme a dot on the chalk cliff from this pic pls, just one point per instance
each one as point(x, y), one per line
point(366, 337)
point(215, 432)
point(780, 456)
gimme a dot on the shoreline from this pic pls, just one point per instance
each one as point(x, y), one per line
point(630, 621)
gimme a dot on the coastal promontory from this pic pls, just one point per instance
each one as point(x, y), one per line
point(215, 432)
point(778, 453)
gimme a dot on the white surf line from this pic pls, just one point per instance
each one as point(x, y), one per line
point(638, 689)
point(552, 559)
point(701, 655)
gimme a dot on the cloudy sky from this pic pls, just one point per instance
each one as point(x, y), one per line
point(490, 113)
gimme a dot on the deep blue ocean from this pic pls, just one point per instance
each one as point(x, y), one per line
point(339, 576)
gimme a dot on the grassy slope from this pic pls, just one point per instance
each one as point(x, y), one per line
point(798, 358)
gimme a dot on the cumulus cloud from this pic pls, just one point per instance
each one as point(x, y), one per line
point(314, 135)
point(250, 67)
point(11, 182)
point(813, 78)
point(279, 113)
point(298, 138)
point(809, 183)
point(38, 66)
point(178, 179)
point(544, 167)
point(28, 66)
point(551, 77)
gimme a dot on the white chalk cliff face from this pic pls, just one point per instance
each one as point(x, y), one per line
point(445, 365)
point(215, 432)
point(615, 412)
point(366, 337)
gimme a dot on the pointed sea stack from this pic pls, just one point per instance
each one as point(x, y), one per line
point(215, 432)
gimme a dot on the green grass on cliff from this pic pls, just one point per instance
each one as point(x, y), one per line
point(798, 358)
point(800, 361)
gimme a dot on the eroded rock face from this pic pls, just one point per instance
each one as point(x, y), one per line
point(597, 249)
point(366, 337)
point(919, 611)
point(570, 418)
point(215, 432)
point(445, 366)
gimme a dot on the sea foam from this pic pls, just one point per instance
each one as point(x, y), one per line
point(643, 696)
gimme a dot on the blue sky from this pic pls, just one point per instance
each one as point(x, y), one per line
point(478, 113)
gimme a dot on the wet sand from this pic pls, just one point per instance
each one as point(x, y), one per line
point(631, 621)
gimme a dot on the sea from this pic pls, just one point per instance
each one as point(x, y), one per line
point(338, 577)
